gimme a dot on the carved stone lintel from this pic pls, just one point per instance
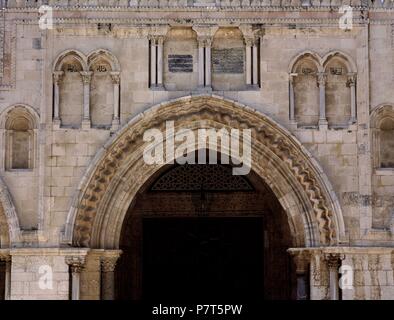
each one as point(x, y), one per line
point(76, 263)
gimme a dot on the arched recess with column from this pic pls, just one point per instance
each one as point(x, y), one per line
point(340, 89)
point(382, 129)
point(106, 191)
point(70, 71)
point(304, 71)
point(104, 89)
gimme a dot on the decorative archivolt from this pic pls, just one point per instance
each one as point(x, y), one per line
point(300, 182)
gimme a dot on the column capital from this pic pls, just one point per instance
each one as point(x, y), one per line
point(158, 31)
point(292, 76)
point(115, 77)
point(333, 260)
point(321, 79)
point(206, 32)
point(108, 264)
point(301, 259)
point(351, 79)
point(5, 257)
point(76, 263)
point(86, 76)
point(58, 76)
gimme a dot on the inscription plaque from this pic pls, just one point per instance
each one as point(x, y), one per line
point(180, 63)
point(228, 60)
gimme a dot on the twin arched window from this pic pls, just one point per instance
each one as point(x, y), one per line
point(322, 91)
point(86, 90)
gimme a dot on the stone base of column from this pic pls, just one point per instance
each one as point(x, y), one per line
point(158, 87)
point(323, 124)
point(204, 89)
point(115, 125)
point(86, 124)
point(293, 125)
point(56, 124)
point(252, 87)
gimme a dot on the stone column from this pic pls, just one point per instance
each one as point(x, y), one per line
point(255, 63)
point(321, 80)
point(57, 79)
point(153, 62)
point(160, 66)
point(7, 262)
point(86, 79)
point(333, 262)
point(204, 38)
point(352, 84)
point(208, 74)
point(108, 264)
point(115, 76)
point(302, 261)
point(76, 265)
point(201, 63)
point(248, 50)
point(292, 99)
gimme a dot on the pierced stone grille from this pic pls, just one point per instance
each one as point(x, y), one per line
point(197, 177)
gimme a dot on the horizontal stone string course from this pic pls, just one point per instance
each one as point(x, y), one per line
point(196, 3)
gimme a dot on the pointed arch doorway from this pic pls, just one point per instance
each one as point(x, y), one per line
point(197, 231)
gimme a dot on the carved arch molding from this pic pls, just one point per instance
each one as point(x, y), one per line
point(118, 172)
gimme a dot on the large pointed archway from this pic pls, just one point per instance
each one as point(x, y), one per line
point(95, 220)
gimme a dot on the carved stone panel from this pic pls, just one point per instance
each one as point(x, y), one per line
point(180, 63)
point(228, 60)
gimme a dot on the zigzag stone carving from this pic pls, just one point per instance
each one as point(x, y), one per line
point(216, 110)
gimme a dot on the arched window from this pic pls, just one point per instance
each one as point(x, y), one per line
point(104, 89)
point(339, 91)
point(70, 74)
point(19, 139)
point(382, 125)
point(306, 93)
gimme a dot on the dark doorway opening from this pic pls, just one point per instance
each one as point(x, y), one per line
point(202, 258)
point(198, 231)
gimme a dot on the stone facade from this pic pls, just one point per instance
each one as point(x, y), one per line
point(76, 98)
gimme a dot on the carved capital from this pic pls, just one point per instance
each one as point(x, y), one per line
point(115, 77)
point(333, 260)
point(76, 263)
point(302, 260)
point(58, 77)
point(86, 76)
point(205, 34)
point(351, 79)
point(108, 264)
point(321, 79)
point(5, 257)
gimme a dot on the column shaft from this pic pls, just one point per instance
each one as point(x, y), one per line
point(160, 62)
point(322, 98)
point(248, 64)
point(291, 98)
point(255, 64)
point(201, 60)
point(153, 63)
point(208, 76)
